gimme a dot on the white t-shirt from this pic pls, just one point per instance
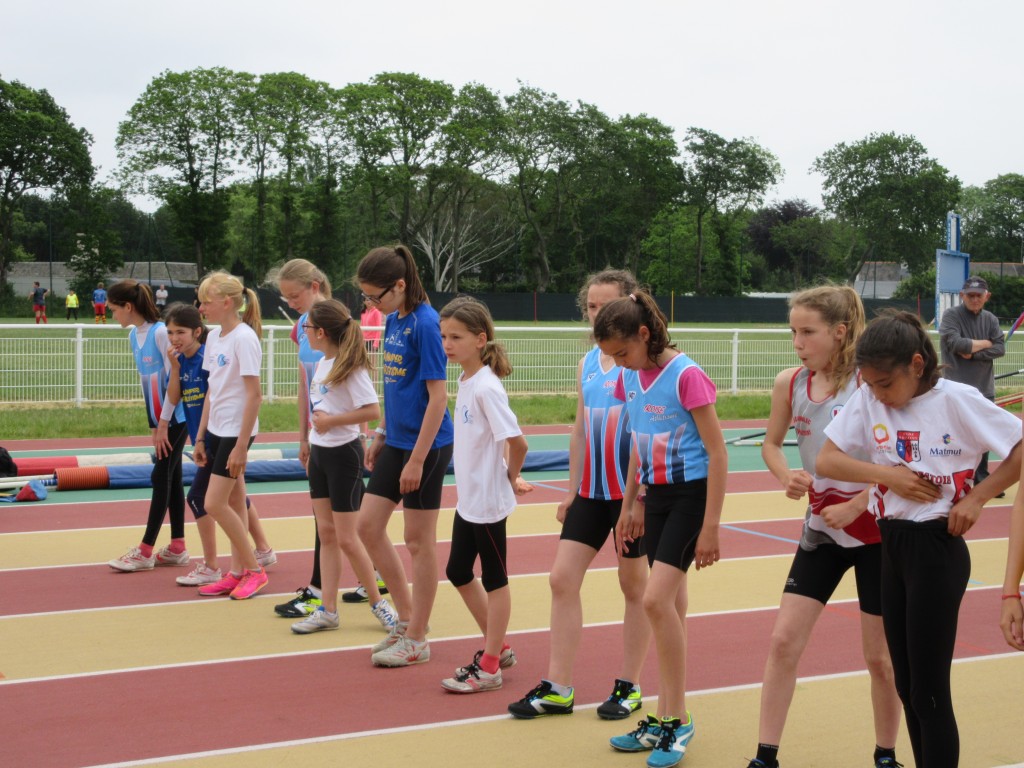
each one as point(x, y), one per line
point(483, 421)
point(941, 435)
point(354, 392)
point(228, 359)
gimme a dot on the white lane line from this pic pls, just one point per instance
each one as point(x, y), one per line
point(250, 748)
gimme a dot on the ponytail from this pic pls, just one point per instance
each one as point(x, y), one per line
point(139, 295)
point(477, 318)
point(623, 318)
point(335, 320)
point(251, 316)
point(891, 341)
point(385, 266)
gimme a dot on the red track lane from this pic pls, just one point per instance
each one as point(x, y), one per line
point(97, 586)
point(273, 700)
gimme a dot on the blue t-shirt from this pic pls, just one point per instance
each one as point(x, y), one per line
point(38, 296)
point(99, 296)
point(308, 357)
point(193, 378)
point(413, 355)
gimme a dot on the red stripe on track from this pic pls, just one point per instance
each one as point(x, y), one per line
point(270, 700)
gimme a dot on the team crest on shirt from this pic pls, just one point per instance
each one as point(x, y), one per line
point(591, 376)
point(467, 417)
point(908, 445)
point(630, 396)
point(324, 389)
point(222, 360)
point(836, 409)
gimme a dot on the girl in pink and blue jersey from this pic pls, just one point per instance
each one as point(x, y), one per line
point(680, 453)
point(132, 305)
point(598, 460)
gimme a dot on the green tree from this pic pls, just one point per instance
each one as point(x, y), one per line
point(993, 219)
point(39, 149)
point(888, 188)
point(723, 178)
point(178, 144)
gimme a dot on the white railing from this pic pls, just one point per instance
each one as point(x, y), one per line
point(82, 363)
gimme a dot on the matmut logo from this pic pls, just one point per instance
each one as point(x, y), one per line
point(658, 409)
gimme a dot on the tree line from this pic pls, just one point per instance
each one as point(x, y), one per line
point(526, 191)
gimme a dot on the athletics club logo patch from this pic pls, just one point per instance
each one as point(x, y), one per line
point(908, 445)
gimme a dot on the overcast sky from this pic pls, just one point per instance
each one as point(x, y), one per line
point(797, 76)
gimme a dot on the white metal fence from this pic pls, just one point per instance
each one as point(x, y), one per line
point(87, 364)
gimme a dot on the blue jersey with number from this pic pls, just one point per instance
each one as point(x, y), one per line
point(193, 379)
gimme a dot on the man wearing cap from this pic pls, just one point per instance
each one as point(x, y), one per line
point(971, 340)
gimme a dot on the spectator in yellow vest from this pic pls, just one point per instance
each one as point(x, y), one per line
point(71, 304)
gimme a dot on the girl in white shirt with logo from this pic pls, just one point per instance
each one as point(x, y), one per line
point(484, 427)
point(925, 436)
point(341, 396)
point(230, 422)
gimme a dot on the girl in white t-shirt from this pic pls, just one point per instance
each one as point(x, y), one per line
point(230, 422)
point(925, 436)
point(485, 430)
point(341, 397)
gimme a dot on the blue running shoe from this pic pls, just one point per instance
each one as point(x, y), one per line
point(645, 737)
point(671, 747)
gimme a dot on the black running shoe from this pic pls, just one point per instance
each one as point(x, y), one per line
point(541, 701)
point(624, 701)
point(300, 606)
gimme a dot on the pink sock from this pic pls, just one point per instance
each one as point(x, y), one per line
point(505, 647)
point(177, 546)
point(146, 550)
point(489, 664)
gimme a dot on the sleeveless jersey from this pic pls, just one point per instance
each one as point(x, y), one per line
point(193, 378)
point(150, 363)
point(669, 448)
point(606, 431)
point(308, 357)
point(810, 419)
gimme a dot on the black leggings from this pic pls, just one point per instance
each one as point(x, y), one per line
point(168, 491)
point(924, 577)
point(484, 539)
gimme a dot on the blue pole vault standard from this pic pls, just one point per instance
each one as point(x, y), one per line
point(952, 268)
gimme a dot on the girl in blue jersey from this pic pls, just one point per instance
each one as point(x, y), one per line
point(412, 448)
point(132, 305)
point(230, 422)
point(681, 456)
point(839, 534)
point(188, 384)
point(598, 459)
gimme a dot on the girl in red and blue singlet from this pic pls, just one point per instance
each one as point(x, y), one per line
point(132, 304)
point(680, 454)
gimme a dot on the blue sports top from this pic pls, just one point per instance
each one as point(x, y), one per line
point(606, 430)
point(308, 357)
point(193, 378)
point(99, 296)
point(668, 445)
point(149, 360)
point(413, 355)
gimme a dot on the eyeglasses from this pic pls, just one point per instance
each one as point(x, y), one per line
point(308, 327)
point(377, 299)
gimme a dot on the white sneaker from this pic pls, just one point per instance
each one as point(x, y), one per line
point(473, 680)
point(385, 614)
point(199, 576)
point(265, 557)
point(396, 631)
point(318, 621)
point(405, 652)
point(166, 557)
point(132, 560)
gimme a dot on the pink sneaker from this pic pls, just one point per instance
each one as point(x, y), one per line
point(223, 587)
point(251, 583)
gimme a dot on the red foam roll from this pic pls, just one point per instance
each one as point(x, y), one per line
point(44, 465)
